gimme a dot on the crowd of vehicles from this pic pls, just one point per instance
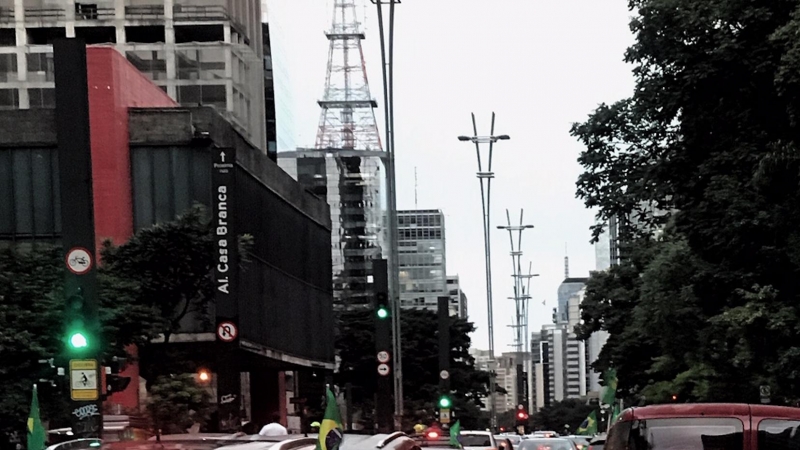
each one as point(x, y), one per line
point(658, 427)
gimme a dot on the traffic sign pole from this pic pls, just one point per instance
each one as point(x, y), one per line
point(444, 358)
point(83, 337)
point(383, 406)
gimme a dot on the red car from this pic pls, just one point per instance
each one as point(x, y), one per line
point(712, 426)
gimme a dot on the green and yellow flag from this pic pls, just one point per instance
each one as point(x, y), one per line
point(454, 431)
point(615, 413)
point(330, 432)
point(610, 389)
point(36, 433)
point(589, 426)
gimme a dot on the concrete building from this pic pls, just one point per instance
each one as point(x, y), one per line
point(458, 300)
point(506, 377)
point(421, 252)
point(151, 160)
point(200, 52)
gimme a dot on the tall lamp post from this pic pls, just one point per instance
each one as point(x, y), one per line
point(485, 178)
point(387, 69)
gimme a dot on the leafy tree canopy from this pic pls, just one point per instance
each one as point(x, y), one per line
point(701, 169)
point(566, 415)
point(356, 347)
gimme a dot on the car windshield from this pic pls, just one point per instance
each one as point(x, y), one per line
point(475, 440)
point(546, 444)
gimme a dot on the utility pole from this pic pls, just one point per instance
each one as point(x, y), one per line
point(78, 236)
point(485, 178)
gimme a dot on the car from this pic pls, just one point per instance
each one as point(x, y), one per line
point(543, 434)
point(556, 443)
point(582, 442)
point(706, 426)
point(477, 440)
point(597, 442)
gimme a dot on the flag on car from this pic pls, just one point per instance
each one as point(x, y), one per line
point(36, 433)
point(330, 432)
point(589, 426)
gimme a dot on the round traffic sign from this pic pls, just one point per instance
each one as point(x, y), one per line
point(227, 331)
point(79, 260)
point(520, 406)
point(383, 370)
point(444, 374)
point(383, 357)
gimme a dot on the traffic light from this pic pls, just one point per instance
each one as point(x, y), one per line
point(445, 402)
point(77, 337)
point(522, 416)
point(381, 308)
point(116, 383)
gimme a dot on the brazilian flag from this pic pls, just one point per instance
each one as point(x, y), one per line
point(36, 432)
point(589, 426)
point(330, 431)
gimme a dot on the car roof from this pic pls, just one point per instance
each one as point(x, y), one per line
point(706, 409)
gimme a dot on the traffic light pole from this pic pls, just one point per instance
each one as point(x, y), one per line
point(445, 403)
point(383, 346)
point(82, 330)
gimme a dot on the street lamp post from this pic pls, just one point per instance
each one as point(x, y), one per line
point(485, 177)
point(387, 70)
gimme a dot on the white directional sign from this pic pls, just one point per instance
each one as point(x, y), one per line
point(79, 260)
point(444, 374)
point(227, 331)
point(383, 370)
point(383, 357)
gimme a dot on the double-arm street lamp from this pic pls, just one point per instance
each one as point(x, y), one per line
point(485, 177)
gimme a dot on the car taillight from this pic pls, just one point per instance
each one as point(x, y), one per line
point(433, 435)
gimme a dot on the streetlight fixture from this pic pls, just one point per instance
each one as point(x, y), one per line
point(485, 178)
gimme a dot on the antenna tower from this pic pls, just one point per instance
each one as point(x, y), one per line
point(347, 120)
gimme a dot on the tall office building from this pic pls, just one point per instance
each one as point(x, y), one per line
point(568, 288)
point(506, 377)
point(346, 165)
point(421, 251)
point(458, 300)
point(278, 67)
point(205, 52)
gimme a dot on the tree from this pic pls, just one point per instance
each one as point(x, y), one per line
point(355, 346)
point(707, 304)
point(176, 403)
point(167, 268)
point(571, 412)
point(32, 329)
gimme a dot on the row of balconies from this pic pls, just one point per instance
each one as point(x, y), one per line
point(186, 13)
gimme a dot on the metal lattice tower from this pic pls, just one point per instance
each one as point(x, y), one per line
point(347, 120)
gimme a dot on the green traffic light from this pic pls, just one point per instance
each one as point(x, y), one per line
point(444, 402)
point(78, 340)
point(382, 313)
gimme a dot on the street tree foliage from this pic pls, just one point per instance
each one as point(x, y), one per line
point(564, 416)
point(176, 403)
point(32, 308)
point(701, 169)
point(147, 286)
point(355, 345)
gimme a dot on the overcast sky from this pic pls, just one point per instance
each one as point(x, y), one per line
point(540, 65)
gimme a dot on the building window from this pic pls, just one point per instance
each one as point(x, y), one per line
point(9, 99)
point(42, 97)
point(40, 67)
point(151, 63)
point(8, 67)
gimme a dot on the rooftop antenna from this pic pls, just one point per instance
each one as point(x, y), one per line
point(566, 262)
